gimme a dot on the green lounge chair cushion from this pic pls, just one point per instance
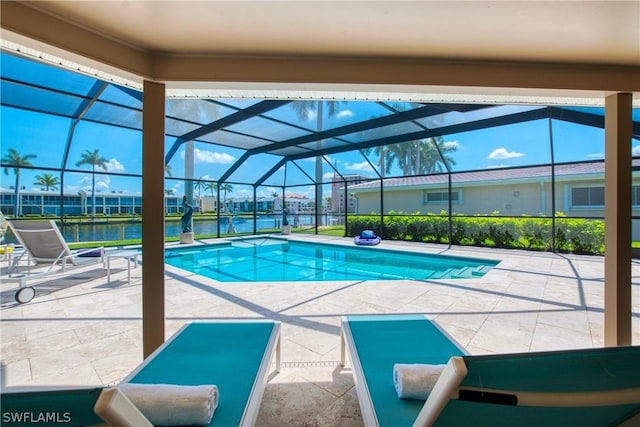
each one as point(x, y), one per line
point(382, 341)
point(226, 354)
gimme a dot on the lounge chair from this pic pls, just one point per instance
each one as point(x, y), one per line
point(45, 247)
point(234, 356)
point(77, 406)
point(591, 387)
point(52, 406)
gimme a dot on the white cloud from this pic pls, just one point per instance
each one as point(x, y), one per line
point(502, 153)
point(362, 166)
point(267, 192)
point(205, 156)
point(102, 183)
point(102, 186)
point(344, 113)
point(451, 144)
point(237, 193)
point(597, 155)
point(72, 189)
point(635, 150)
point(114, 165)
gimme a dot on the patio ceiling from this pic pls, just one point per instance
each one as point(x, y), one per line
point(344, 49)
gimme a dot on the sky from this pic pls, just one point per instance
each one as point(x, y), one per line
point(46, 135)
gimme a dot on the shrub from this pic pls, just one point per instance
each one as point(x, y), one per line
point(578, 235)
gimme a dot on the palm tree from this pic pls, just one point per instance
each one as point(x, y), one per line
point(275, 196)
point(384, 158)
point(13, 160)
point(199, 185)
point(93, 158)
point(303, 110)
point(47, 181)
point(226, 188)
point(211, 186)
point(437, 156)
point(421, 157)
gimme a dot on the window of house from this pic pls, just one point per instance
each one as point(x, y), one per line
point(594, 196)
point(440, 197)
point(587, 196)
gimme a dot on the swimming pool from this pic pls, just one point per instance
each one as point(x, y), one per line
point(277, 260)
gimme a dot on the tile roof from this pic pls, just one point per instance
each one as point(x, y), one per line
point(531, 173)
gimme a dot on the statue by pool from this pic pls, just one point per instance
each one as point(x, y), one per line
point(187, 222)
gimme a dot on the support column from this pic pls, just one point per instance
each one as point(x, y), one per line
point(617, 264)
point(153, 313)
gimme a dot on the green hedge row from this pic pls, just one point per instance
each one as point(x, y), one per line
point(576, 235)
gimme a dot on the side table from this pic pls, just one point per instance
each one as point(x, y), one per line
point(130, 255)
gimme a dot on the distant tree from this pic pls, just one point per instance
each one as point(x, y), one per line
point(418, 157)
point(212, 187)
point(93, 159)
point(199, 185)
point(384, 157)
point(437, 156)
point(14, 160)
point(226, 188)
point(48, 182)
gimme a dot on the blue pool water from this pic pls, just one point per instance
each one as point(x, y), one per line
point(277, 260)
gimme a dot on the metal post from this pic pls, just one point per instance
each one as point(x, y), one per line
point(553, 188)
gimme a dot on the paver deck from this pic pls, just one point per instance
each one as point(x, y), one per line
point(81, 330)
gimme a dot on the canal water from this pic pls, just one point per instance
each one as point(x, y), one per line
point(133, 229)
point(107, 231)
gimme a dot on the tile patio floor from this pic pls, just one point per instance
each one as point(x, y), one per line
point(83, 331)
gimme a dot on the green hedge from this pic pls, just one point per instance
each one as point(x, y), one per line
point(576, 235)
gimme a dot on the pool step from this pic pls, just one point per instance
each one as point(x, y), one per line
point(460, 273)
point(482, 270)
point(463, 273)
point(441, 274)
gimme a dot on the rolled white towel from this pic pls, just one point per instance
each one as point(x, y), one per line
point(173, 405)
point(415, 381)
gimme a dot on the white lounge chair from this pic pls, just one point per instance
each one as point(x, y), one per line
point(45, 247)
point(590, 387)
